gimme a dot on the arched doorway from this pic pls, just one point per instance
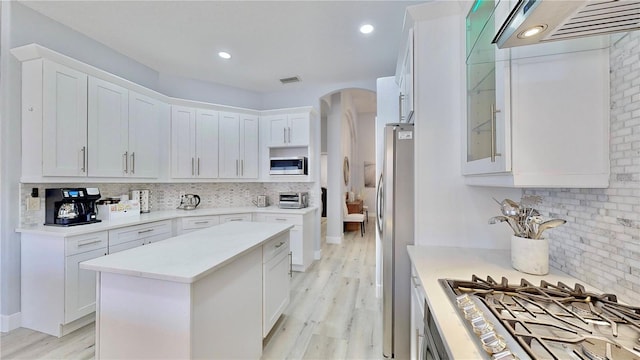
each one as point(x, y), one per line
point(347, 132)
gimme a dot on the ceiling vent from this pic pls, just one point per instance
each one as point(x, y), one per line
point(290, 80)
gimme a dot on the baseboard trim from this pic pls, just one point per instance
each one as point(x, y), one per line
point(334, 239)
point(317, 255)
point(10, 322)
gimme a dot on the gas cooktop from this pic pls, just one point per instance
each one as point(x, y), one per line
point(525, 321)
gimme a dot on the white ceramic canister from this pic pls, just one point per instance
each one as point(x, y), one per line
point(530, 256)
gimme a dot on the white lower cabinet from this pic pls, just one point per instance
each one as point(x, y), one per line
point(235, 217)
point(137, 235)
point(193, 223)
point(418, 347)
point(58, 297)
point(276, 281)
point(301, 236)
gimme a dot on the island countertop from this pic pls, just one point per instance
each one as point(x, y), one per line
point(189, 257)
point(434, 263)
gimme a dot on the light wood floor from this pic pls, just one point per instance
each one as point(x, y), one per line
point(333, 314)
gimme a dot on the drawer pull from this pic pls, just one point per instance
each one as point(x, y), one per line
point(236, 219)
point(89, 243)
point(281, 243)
point(415, 281)
point(281, 219)
point(145, 231)
point(201, 222)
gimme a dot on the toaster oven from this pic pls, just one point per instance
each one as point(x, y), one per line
point(293, 200)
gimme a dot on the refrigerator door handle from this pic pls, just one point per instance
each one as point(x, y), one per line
point(379, 205)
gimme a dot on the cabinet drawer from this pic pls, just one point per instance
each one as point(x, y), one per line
point(235, 217)
point(137, 232)
point(274, 248)
point(200, 222)
point(87, 242)
point(294, 219)
point(417, 290)
point(125, 246)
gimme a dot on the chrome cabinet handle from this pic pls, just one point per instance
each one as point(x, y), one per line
point(89, 243)
point(281, 219)
point(242, 167)
point(126, 159)
point(145, 231)
point(192, 167)
point(400, 100)
point(493, 111)
point(415, 281)
point(290, 264)
point(279, 245)
point(201, 222)
point(84, 159)
point(133, 162)
point(198, 166)
point(236, 167)
point(289, 135)
point(284, 135)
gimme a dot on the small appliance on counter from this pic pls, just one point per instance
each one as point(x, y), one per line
point(261, 201)
point(142, 196)
point(189, 202)
point(123, 209)
point(71, 206)
point(293, 200)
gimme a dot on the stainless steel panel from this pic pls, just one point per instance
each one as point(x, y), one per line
point(397, 233)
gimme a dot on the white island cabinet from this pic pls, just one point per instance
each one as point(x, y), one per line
point(197, 295)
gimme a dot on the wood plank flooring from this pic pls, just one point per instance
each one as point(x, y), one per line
point(333, 314)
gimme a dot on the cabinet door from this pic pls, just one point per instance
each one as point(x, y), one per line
point(406, 81)
point(275, 290)
point(144, 137)
point(299, 130)
point(108, 129)
point(249, 146)
point(296, 242)
point(277, 125)
point(487, 131)
point(80, 286)
point(64, 121)
point(229, 160)
point(183, 147)
point(206, 144)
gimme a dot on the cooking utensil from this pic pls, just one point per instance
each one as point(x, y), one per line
point(548, 225)
point(512, 223)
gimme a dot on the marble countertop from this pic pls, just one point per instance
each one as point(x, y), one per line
point(434, 263)
point(189, 257)
point(63, 231)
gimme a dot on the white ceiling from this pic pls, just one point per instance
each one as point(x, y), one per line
point(318, 41)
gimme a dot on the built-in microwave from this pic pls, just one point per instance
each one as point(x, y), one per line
point(295, 165)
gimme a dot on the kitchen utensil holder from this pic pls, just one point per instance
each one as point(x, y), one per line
point(530, 256)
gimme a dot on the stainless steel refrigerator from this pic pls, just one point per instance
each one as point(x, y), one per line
point(395, 201)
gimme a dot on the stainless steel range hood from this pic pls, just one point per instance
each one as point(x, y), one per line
point(566, 19)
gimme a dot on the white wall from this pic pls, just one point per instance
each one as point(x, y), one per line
point(366, 153)
point(448, 212)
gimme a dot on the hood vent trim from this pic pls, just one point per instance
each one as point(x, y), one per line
point(567, 20)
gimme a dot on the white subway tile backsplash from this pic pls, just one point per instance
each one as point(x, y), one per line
point(600, 243)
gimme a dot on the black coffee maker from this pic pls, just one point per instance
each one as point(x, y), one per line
point(71, 206)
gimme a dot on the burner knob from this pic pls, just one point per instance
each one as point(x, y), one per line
point(504, 355)
point(463, 300)
point(493, 343)
point(481, 326)
point(471, 312)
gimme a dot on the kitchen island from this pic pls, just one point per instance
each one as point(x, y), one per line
point(197, 295)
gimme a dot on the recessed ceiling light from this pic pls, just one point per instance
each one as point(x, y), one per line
point(224, 55)
point(532, 31)
point(366, 28)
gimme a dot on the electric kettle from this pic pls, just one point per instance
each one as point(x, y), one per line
point(189, 202)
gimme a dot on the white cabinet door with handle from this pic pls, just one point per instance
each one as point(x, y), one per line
point(144, 141)
point(206, 155)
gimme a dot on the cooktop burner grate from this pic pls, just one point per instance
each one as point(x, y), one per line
point(549, 321)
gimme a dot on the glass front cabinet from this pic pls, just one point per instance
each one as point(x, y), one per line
point(488, 84)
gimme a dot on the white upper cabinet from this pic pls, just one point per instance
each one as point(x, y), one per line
point(238, 145)
point(194, 143)
point(144, 136)
point(534, 121)
point(183, 144)
point(64, 116)
point(108, 129)
point(288, 129)
point(206, 144)
point(123, 136)
point(405, 81)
